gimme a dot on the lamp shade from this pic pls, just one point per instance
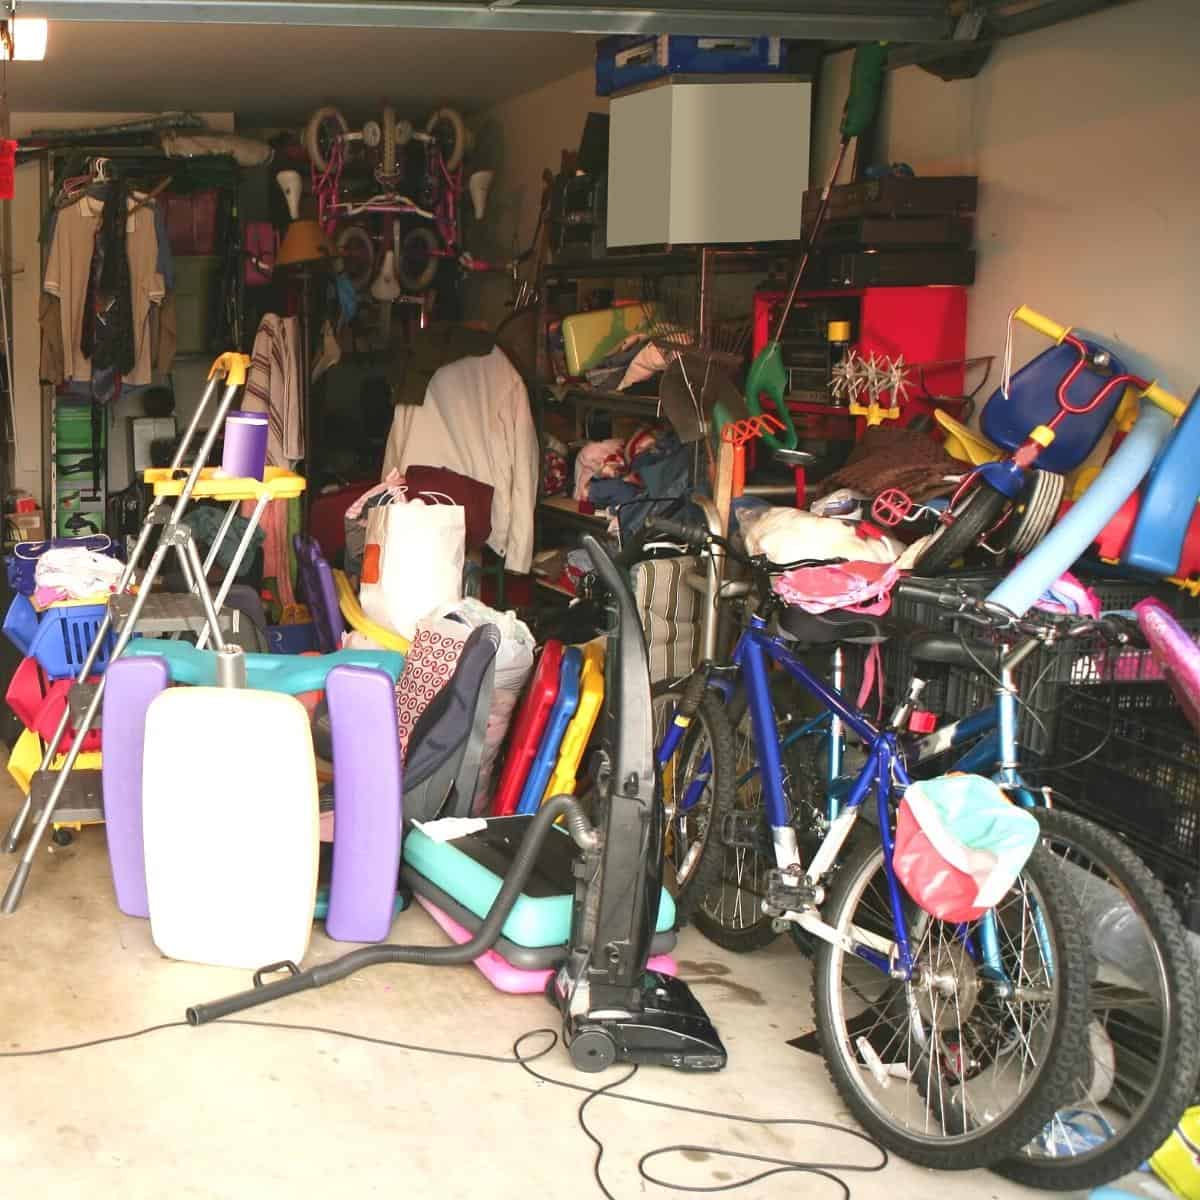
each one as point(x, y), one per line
point(303, 242)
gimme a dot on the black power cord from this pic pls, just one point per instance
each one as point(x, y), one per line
point(776, 1166)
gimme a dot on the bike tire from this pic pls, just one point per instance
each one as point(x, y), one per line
point(729, 913)
point(357, 254)
point(312, 134)
point(1177, 1066)
point(692, 865)
point(447, 127)
point(950, 1142)
point(417, 265)
point(978, 511)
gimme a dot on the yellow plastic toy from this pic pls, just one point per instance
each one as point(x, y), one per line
point(1177, 1161)
point(357, 619)
point(26, 757)
point(276, 484)
point(963, 443)
point(575, 740)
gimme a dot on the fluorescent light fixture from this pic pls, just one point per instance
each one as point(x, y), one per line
point(27, 38)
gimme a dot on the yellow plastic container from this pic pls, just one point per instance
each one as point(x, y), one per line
point(26, 757)
point(358, 620)
point(589, 337)
point(1176, 1161)
point(964, 443)
point(575, 740)
point(276, 483)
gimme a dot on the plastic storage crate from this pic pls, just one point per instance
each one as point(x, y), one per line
point(1140, 776)
point(627, 60)
point(61, 638)
point(953, 692)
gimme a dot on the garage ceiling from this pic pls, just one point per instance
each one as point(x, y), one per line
point(284, 72)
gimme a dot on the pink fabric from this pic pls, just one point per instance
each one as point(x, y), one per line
point(605, 459)
point(276, 563)
point(393, 481)
point(857, 586)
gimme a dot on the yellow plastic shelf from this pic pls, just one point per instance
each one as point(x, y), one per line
point(278, 484)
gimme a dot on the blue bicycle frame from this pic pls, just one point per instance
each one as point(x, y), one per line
point(884, 769)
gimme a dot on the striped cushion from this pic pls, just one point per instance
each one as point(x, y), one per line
point(670, 614)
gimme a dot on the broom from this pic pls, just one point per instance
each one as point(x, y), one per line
point(767, 375)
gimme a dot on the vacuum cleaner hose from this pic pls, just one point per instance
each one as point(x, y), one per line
point(369, 956)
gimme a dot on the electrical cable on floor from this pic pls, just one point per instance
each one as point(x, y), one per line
point(777, 1166)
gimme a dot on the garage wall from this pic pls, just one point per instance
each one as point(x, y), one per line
point(519, 138)
point(26, 290)
point(1084, 139)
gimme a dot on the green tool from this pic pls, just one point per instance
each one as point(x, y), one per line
point(767, 375)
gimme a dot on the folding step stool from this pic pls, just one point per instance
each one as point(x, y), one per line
point(80, 797)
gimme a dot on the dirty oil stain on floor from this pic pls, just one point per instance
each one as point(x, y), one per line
point(718, 974)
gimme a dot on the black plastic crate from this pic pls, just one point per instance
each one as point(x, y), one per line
point(1139, 776)
point(953, 692)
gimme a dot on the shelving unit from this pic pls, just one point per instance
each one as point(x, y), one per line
point(557, 515)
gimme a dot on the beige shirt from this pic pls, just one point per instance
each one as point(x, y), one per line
point(67, 271)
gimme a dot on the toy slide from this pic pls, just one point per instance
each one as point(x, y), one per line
point(561, 715)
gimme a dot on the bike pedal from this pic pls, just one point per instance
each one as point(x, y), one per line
point(744, 831)
point(788, 893)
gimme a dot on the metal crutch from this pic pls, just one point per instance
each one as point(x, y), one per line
point(233, 366)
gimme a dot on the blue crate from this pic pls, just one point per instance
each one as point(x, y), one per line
point(626, 61)
point(60, 638)
point(292, 639)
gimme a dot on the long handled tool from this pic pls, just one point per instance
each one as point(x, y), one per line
point(767, 374)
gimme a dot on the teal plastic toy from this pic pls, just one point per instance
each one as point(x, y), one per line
point(290, 674)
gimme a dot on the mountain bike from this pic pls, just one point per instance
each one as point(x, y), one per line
point(1144, 1049)
point(953, 1045)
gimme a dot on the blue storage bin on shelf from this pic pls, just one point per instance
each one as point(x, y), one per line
point(292, 639)
point(22, 562)
point(60, 638)
point(627, 60)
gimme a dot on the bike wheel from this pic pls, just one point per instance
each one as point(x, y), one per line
point(946, 1069)
point(729, 913)
point(417, 265)
point(357, 254)
point(974, 515)
point(324, 128)
point(691, 841)
point(448, 130)
point(1145, 1049)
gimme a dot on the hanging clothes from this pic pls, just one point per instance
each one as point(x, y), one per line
point(273, 387)
point(476, 420)
point(68, 272)
point(106, 336)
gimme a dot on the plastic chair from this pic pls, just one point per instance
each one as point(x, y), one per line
point(320, 594)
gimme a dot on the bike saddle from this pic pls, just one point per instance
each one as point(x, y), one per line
point(950, 650)
point(794, 458)
point(829, 627)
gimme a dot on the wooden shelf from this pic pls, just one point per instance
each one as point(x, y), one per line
point(626, 403)
point(565, 509)
point(547, 586)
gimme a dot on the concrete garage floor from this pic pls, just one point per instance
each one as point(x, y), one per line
point(233, 1112)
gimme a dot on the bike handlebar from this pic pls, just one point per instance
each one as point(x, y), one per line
point(1058, 334)
point(988, 615)
point(699, 538)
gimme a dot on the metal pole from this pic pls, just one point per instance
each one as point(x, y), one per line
point(239, 554)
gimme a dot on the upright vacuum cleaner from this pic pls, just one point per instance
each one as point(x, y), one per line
point(613, 1008)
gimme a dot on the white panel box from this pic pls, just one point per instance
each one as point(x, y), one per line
point(708, 162)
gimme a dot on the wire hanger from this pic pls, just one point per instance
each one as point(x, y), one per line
point(102, 170)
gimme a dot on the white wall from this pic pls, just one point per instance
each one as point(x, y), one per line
point(1085, 139)
point(27, 286)
point(519, 138)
